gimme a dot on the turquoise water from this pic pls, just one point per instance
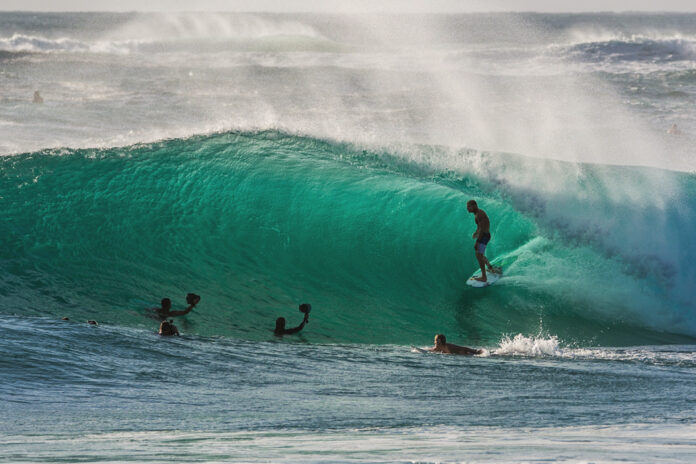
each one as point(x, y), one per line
point(263, 161)
point(257, 222)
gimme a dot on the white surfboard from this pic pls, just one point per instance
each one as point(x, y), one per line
point(492, 277)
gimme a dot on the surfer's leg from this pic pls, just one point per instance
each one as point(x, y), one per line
point(492, 268)
point(481, 249)
point(482, 262)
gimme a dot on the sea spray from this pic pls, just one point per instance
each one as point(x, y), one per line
point(528, 346)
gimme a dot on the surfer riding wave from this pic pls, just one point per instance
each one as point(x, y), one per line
point(482, 236)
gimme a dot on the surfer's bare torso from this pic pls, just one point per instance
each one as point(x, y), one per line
point(483, 225)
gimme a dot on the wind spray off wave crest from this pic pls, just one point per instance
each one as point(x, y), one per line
point(219, 27)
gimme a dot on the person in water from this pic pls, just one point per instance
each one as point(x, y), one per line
point(167, 328)
point(37, 97)
point(674, 130)
point(482, 236)
point(280, 329)
point(165, 310)
point(441, 346)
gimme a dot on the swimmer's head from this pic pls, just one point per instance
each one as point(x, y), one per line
point(471, 206)
point(166, 303)
point(167, 328)
point(440, 340)
point(280, 324)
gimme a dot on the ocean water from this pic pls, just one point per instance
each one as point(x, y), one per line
point(264, 160)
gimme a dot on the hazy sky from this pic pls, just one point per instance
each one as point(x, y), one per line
point(355, 6)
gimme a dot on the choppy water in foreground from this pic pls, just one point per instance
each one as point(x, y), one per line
point(80, 393)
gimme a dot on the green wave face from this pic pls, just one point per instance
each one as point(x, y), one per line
point(379, 243)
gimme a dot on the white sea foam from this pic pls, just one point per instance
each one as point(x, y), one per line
point(38, 44)
point(639, 443)
point(528, 346)
point(25, 43)
point(550, 346)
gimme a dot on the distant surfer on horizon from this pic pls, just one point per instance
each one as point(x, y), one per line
point(164, 311)
point(441, 346)
point(482, 236)
point(280, 329)
point(674, 130)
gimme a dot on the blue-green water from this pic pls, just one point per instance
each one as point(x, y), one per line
point(257, 222)
point(80, 393)
point(263, 161)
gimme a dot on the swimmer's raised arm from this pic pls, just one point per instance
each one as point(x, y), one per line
point(280, 322)
point(165, 311)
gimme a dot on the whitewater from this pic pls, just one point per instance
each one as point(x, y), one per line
point(267, 160)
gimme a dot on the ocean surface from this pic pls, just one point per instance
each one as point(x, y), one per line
point(267, 160)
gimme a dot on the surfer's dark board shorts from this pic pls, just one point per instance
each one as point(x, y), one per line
point(481, 243)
